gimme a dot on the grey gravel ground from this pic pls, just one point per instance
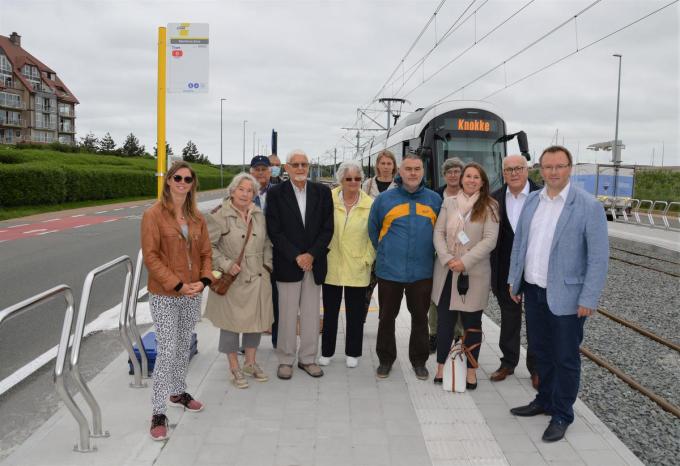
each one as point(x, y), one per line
point(651, 299)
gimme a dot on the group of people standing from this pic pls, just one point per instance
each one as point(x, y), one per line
point(289, 243)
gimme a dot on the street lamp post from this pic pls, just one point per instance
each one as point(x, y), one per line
point(244, 144)
point(616, 150)
point(221, 132)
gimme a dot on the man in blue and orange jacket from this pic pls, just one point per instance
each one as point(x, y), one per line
point(400, 225)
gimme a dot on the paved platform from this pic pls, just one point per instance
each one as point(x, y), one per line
point(655, 238)
point(346, 417)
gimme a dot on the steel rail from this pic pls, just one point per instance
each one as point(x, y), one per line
point(644, 255)
point(639, 329)
point(645, 266)
point(659, 400)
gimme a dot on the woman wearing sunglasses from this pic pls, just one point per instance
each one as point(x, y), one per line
point(177, 255)
point(350, 257)
point(464, 236)
point(247, 309)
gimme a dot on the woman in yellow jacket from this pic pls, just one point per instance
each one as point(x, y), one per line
point(350, 257)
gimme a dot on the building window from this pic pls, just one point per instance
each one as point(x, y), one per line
point(5, 70)
point(10, 100)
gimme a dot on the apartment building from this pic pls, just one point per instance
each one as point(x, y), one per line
point(35, 105)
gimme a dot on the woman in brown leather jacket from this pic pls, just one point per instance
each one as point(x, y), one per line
point(178, 257)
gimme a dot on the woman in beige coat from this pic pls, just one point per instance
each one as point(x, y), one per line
point(464, 236)
point(247, 307)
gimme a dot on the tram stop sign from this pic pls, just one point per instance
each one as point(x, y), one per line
point(187, 57)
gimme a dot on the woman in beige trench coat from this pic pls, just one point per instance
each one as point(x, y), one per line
point(247, 307)
point(464, 236)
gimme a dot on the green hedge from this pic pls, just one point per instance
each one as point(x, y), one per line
point(657, 185)
point(33, 177)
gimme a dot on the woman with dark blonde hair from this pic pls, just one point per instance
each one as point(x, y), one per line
point(178, 257)
point(464, 236)
point(385, 171)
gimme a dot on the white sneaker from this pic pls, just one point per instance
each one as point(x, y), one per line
point(324, 361)
point(352, 362)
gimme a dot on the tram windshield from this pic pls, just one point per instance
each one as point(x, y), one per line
point(471, 136)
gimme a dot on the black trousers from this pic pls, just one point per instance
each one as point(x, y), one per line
point(511, 324)
point(390, 295)
point(354, 319)
point(446, 321)
point(275, 302)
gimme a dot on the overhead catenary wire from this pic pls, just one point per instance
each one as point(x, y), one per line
point(642, 18)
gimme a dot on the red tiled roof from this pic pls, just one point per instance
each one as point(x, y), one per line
point(19, 57)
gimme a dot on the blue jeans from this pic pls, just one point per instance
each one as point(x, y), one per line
point(555, 342)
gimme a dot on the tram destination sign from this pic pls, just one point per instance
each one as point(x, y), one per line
point(187, 57)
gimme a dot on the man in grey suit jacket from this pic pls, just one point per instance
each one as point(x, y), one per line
point(559, 263)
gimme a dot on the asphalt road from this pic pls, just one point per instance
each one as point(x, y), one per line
point(37, 253)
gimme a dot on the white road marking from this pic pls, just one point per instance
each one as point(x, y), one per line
point(111, 220)
point(2, 240)
point(133, 207)
point(81, 226)
point(46, 232)
point(2, 231)
point(25, 371)
point(119, 208)
point(34, 231)
point(101, 212)
point(50, 220)
point(76, 216)
point(20, 225)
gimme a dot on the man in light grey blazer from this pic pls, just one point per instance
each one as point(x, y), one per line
point(559, 263)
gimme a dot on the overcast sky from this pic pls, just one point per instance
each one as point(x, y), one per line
point(304, 67)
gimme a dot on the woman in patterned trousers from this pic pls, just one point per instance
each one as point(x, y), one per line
point(177, 255)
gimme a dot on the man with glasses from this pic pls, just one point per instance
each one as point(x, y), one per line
point(401, 226)
point(300, 225)
point(510, 197)
point(559, 262)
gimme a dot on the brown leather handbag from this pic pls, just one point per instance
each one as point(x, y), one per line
point(221, 285)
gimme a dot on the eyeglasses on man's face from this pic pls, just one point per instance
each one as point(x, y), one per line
point(555, 168)
point(299, 165)
point(452, 172)
point(179, 178)
point(513, 170)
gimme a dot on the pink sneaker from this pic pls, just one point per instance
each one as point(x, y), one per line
point(187, 402)
point(159, 427)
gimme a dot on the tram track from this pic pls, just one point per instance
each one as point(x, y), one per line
point(646, 266)
point(632, 382)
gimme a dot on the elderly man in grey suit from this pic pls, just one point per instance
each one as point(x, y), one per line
point(559, 263)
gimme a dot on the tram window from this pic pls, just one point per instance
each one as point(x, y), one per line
point(471, 150)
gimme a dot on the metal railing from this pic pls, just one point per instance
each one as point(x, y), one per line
point(658, 213)
point(83, 444)
point(97, 430)
point(127, 328)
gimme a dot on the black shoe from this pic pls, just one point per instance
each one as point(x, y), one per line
point(438, 380)
point(421, 372)
point(555, 431)
point(433, 344)
point(470, 386)
point(383, 370)
point(532, 409)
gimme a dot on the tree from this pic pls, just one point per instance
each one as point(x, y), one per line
point(107, 144)
point(132, 147)
point(190, 153)
point(168, 150)
point(89, 143)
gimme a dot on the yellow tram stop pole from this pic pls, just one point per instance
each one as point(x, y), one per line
point(160, 124)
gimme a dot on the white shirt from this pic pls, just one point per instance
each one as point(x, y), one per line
point(513, 205)
point(541, 235)
point(301, 196)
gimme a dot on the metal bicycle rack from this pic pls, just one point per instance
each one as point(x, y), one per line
point(127, 328)
point(665, 214)
point(648, 208)
point(635, 209)
point(97, 430)
point(83, 444)
point(663, 217)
